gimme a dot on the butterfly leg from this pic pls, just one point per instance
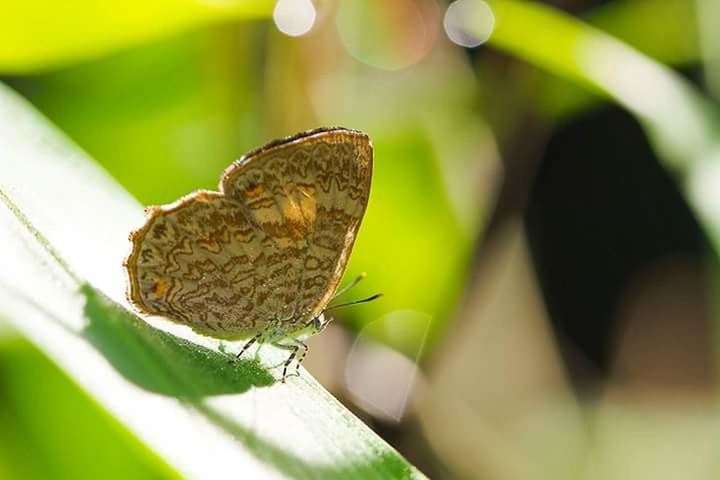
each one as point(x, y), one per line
point(301, 358)
point(293, 355)
point(248, 345)
point(293, 349)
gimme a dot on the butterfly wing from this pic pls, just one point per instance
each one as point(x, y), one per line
point(308, 193)
point(192, 262)
point(272, 245)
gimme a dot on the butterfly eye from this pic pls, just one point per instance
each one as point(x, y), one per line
point(319, 323)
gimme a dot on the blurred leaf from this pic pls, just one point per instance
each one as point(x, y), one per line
point(180, 109)
point(37, 34)
point(708, 17)
point(680, 123)
point(664, 439)
point(64, 235)
point(665, 30)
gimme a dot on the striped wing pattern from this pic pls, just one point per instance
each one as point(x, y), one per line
point(269, 248)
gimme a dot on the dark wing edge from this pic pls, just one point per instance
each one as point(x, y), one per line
point(356, 136)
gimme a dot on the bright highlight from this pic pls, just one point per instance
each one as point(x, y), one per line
point(469, 23)
point(294, 17)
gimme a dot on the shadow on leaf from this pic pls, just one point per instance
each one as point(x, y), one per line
point(160, 362)
point(163, 363)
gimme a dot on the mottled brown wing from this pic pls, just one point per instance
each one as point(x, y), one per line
point(193, 262)
point(271, 245)
point(308, 194)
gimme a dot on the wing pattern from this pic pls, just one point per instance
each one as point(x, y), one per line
point(270, 246)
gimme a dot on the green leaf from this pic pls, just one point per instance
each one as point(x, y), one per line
point(63, 227)
point(665, 30)
point(34, 435)
point(38, 35)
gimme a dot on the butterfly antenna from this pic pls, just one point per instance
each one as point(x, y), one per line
point(364, 300)
point(350, 285)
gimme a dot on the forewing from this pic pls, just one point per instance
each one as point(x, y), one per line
point(308, 194)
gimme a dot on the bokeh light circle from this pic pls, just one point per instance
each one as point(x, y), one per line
point(388, 35)
point(469, 23)
point(294, 17)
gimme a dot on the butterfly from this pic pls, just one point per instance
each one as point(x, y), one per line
point(262, 257)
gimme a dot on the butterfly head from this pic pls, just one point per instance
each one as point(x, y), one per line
point(319, 323)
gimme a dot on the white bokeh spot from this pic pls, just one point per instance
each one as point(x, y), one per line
point(469, 23)
point(294, 17)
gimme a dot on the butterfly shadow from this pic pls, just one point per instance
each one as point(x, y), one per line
point(161, 362)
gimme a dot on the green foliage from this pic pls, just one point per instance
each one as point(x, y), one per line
point(41, 442)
